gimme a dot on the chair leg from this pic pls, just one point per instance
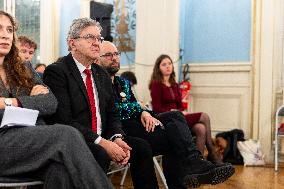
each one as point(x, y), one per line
point(124, 175)
point(276, 154)
point(157, 165)
point(276, 144)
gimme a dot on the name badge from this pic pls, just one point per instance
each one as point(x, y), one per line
point(123, 96)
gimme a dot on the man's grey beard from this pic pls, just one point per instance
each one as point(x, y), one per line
point(112, 71)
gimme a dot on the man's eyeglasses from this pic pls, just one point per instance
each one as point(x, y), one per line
point(111, 55)
point(90, 38)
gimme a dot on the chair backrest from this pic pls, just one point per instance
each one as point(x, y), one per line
point(281, 111)
point(278, 123)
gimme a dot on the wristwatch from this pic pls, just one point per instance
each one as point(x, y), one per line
point(8, 101)
point(116, 136)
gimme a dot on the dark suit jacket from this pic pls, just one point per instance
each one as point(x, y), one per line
point(65, 81)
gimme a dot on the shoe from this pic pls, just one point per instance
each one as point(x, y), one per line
point(220, 174)
point(200, 171)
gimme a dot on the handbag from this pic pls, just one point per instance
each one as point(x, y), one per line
point(251, 152)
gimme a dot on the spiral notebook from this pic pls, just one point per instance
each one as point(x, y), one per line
point(15, 116)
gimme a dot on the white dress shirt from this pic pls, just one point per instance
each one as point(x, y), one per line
point(81, 68)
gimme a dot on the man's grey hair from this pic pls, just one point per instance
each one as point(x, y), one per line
point(79, 24)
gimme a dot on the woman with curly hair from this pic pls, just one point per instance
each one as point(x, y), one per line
point(166, 96)
point(56, 155)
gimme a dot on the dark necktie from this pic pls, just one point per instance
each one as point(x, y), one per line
point(90, 91)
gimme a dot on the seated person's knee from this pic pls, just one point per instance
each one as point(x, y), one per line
point(199, 129)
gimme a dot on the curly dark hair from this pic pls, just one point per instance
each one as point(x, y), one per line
point(17, 73)
point(157, 74)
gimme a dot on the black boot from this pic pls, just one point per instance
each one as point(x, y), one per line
point(199, 171)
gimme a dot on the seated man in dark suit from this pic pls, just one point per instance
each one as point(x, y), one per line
point(85, 101)
point(173, 140)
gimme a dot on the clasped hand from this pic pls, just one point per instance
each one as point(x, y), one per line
point(118, 150)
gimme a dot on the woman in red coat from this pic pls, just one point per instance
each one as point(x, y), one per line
point(166, 96)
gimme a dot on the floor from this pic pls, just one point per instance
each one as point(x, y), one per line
point(244, 178)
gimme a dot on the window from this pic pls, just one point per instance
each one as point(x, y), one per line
point(27, 13)
point(1, 5)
